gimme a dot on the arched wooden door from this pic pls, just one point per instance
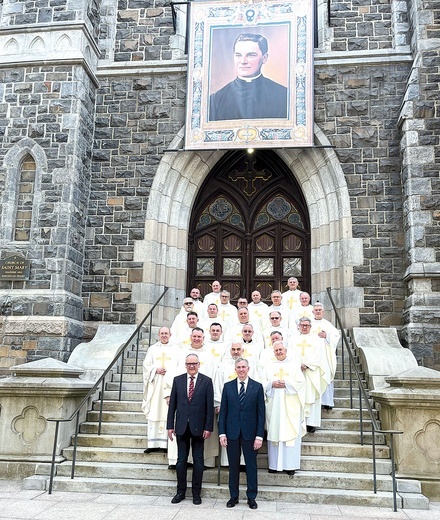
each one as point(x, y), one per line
point(249, 228)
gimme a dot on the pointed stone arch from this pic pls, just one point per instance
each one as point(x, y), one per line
point(10, 171)
point(334, 251)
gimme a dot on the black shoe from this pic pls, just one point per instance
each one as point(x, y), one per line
point(231, 502)
point(290, 471)
point(197, 500)
point(272, 471)
point(326, 407)
point(311, 429)
point(172, 466)
point(177, 498)
point(252, 504)
point(151, 450)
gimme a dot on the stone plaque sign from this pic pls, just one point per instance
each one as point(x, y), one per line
point(14, 268)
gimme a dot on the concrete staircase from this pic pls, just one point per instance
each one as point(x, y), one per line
point(335, 467)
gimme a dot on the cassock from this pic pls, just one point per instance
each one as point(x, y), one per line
point(156, 388)
point(284, 413)
point(311, 350)
point(257, 98)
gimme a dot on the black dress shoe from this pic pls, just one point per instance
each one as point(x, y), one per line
point(252, 504)
point(311, 429)
point(151, 450)
point(290, 471)
point(177, 498)
point(172, 466)
point(197, 500)
point(231, 502)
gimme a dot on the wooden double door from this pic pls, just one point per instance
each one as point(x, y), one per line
point(249, 228)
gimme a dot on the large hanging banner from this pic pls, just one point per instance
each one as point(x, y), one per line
point(250, 75)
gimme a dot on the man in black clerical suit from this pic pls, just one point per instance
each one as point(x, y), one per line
point(190, 419)
point(241, 427)
point(250, 95)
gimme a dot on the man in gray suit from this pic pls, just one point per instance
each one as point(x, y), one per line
point(190, 419)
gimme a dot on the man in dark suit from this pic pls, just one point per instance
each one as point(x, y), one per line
point(241, 427)
point(190, 419)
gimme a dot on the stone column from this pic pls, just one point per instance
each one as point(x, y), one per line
point(419, 121)
point(412, 404)
point(36, 392)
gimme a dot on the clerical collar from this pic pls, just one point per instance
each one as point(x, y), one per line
point(248, 80)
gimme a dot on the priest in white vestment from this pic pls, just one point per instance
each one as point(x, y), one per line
point(259, 310)
point(312, 351)
point(290, 298)
point(284, 384)
point(159, 369)
point(303, 310)
point(326, 330)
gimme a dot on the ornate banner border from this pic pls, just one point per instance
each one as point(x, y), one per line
point(295, 20)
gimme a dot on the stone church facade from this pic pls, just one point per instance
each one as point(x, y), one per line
point(96, 191)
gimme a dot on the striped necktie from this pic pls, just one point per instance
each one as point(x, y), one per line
point(191, 388)
point(241, 393)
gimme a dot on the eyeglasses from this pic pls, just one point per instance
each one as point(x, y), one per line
point(192, 364)
point(187, 303)
point(275, 318)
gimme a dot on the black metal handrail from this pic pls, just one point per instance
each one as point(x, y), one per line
point(364, 397)
point(100, 382)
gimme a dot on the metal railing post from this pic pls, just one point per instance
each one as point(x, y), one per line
point(54, 451)
point(364, 397)
point(100, 381)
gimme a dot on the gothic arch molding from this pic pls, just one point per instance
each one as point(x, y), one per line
point(334, 251)
point(11, 172)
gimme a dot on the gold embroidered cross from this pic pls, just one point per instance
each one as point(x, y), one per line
point(163, 357)
point(304, 344)
point(281, 374)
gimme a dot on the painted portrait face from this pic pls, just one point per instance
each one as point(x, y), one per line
point(248, 59)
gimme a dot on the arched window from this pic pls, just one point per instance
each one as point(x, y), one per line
point(25, 197)
point(22, 168)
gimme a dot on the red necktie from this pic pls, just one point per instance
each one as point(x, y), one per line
point(191, 388)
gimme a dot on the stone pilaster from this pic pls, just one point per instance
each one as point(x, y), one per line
point(420, 122)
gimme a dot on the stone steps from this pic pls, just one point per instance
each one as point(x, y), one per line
point(335, 467)
point(308, 462)
point(132, 417)
point(210, 490)
point(308, 447)
point(135, 406)
point(302, 478)
point(133, 395)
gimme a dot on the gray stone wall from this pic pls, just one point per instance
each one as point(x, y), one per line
point(136, 119)
point(361, 25)
point(143, 30)
point(49, 115)
point(358, 109)
point(379, 109)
